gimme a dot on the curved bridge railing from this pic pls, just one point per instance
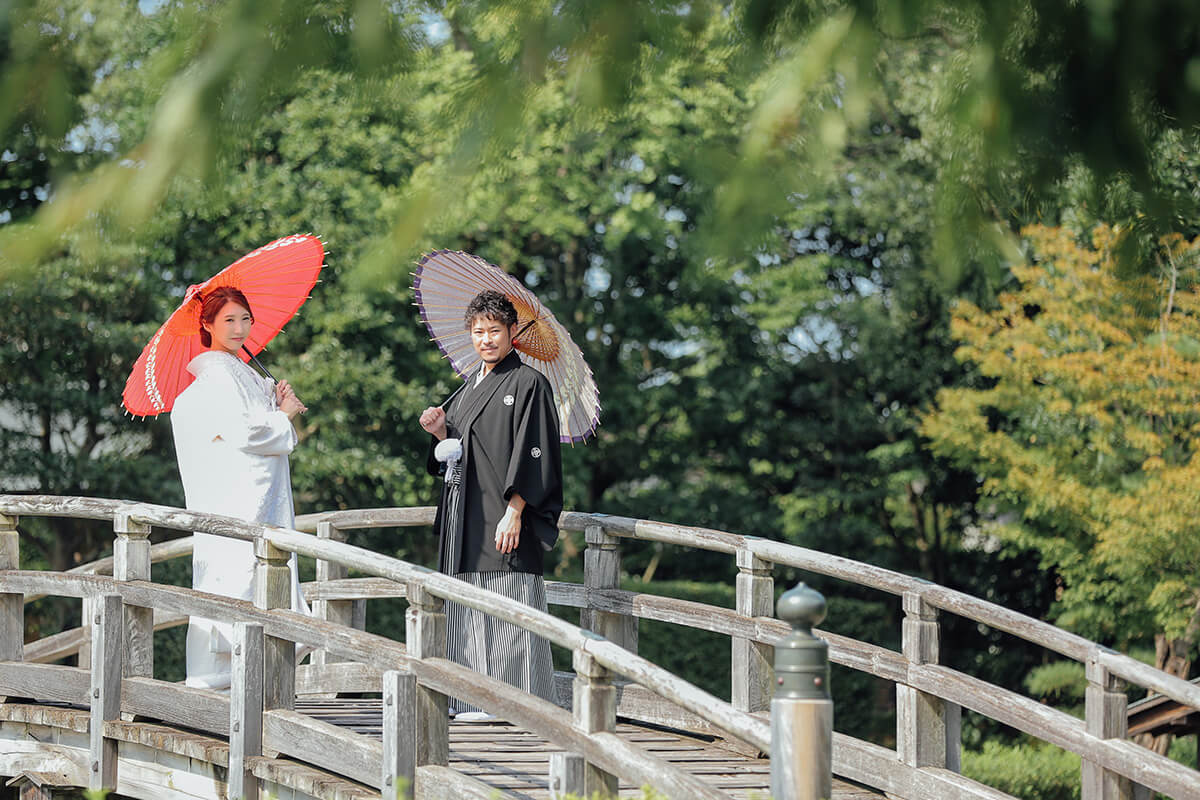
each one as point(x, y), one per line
point(258, 713)
point(929, 696)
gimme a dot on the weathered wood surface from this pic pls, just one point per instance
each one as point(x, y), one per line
point(368, 518)
point(504, 756)
point(108, 637)
point(928, 679)
point(245, 709)
point(779, 553)
point(171, 749)
point(717, 712)
point(12, 609)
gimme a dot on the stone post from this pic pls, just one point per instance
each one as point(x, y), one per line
point(801, 711)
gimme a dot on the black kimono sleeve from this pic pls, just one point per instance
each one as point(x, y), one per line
point(535, 463)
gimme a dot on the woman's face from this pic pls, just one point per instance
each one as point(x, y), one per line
point(230, 327)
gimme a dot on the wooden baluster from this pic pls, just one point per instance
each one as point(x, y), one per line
point(339, 611)
point(1106, 717)
point(568, 773)
point(245, 708)
point(425, 637)
point(594, 710)
point(602, 570)
point(86, 612)
point(927, 727)
point(751, 674)
point(273, 589)
point(400, 734)
point(801, 711)
point(108, 639)
point(131, 562)
point(12, 606)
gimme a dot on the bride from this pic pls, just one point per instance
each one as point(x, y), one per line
point(233, 432)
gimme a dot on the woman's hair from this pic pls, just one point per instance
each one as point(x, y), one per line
point(211, 305)
point(492, 305)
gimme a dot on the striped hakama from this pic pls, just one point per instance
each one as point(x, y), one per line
point(498, 648)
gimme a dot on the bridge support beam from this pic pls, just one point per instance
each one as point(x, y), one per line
point(131, 562)
point(245, 708)
point(273, 589)
point(425, 637)
point(928, 729)
point(1106, 717)
point(594, 710)
point(602, 570)
point(12, 606)
point(108, 638)
point(752, 674)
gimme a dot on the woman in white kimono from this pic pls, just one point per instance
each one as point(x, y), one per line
point(233, 432)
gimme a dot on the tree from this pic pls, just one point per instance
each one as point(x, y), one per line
point(1082, 429)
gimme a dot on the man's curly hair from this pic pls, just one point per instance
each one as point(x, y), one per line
point(491, 305)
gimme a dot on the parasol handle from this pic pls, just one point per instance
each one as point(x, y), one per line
point(452, 395)
point(258, 363)
point(527, 325)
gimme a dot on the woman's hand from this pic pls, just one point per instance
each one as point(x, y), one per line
point(285, 398)
point(433, 421)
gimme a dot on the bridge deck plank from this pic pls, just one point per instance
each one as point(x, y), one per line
point(517, 761)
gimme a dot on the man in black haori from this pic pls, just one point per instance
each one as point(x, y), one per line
point(499, 507)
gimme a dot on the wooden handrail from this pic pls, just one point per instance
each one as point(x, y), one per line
point(921, 599)
point(194, 707)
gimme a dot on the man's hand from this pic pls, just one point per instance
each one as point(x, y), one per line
point(433, 420)
point(508, 531)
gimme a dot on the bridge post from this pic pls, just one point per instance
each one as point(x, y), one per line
point(245, 709)
point(602, 570)
point(801, 711)
point(351, 613)
point(131, 562)
point(108, 638)
point(751, 673)
point(12, 606)
point(928, 729)
point(399, 735)
point(273, 589)
point(425, 637)
point(1105, 716)
point(594, 709)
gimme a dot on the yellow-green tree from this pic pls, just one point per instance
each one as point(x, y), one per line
point(1083, 430)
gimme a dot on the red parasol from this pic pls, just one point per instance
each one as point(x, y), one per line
point(445, 283)
point(276, 279)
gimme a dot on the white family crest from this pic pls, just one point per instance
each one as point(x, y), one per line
point(536, 452)
point(509, 400)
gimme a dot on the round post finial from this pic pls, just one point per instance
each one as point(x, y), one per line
point(801, 659)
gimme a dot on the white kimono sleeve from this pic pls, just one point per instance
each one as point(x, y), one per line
point(249, 428)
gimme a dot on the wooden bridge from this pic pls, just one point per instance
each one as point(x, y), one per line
point(621, 723)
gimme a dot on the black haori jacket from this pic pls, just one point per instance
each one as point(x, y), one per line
point(509, 430)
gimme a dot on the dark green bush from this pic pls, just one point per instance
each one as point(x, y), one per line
point(1031, 771)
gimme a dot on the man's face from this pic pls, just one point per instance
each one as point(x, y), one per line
point(492, 339)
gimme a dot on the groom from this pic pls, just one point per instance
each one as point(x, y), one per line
point(495, 533)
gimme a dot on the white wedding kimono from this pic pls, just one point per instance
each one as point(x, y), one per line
point(232, 443)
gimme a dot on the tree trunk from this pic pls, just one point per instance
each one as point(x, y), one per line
point(1174, 658)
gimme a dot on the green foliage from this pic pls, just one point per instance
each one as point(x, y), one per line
point(1060, 683)
point(1031, 771)
point(1082, 429)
